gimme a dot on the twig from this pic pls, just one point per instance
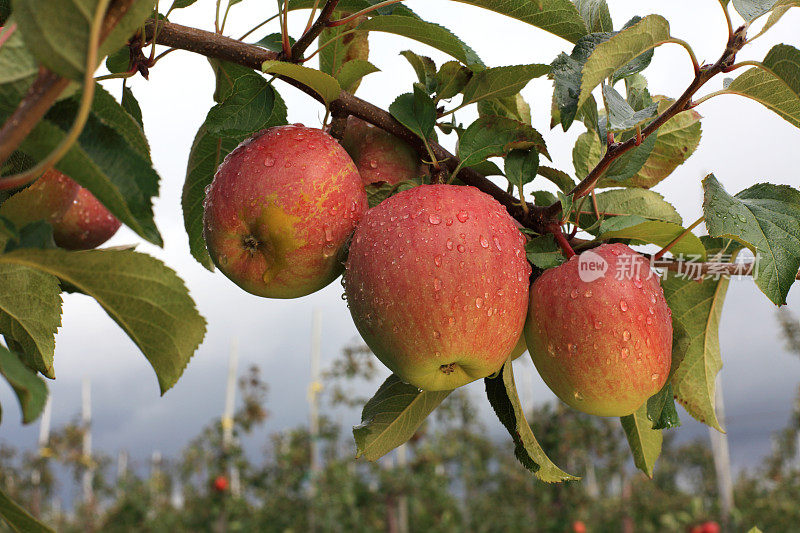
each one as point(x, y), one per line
point(677, 239)
point(313, 32)
point(555, 229)
point(311, 16)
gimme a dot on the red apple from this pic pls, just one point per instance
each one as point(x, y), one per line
point(379, 155)
point(220, 484)
point(578, 527)
point(711, 527)
point(79, 220)
point(600, 332)
point(437, 284)
point(279, 210)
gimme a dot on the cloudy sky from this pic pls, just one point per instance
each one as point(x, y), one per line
point(742, 144)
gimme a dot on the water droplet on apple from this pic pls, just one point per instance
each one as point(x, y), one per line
point(649, 321)
point(449, 244)
point(587, 294)
point(436, 334)
point(434, 219)
point(497, 244)
point(573, 348)
point(625, 353)
point(462, 216)
point(269, 161)
point(574, 294)
point(623, 305)
point(437, 260)
point(484, 241)
point(478, 302)
point(598, 324)
point(437, 284)
point(461, 248)
point(652, 298)
point(578, 396)
point(637, 283)
point(654, 377)
point(626, 335)
point(373, 164)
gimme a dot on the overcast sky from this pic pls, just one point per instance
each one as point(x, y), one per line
point(742, 144)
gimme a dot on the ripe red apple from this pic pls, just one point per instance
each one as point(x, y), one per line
point(379, 155)
point(220, 484)
point(578, 527)
point(711, 527)
point(437, 284)
point(79, 220)
point(279, 210)
point(600, 332)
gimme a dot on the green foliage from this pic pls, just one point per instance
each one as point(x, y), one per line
point(147, 299)
point(645, 442)
point(659, 232)
point(501, 82)
point(543, 252)
point(392, 417)
point(252, 106)
point(521, 167)
point(323, 84)
point(661, 409)
point(416, 111)
point(766, 219)
point(621, 116)
point(502, 394)
point(752, 9)
point(775, 85)
point(18, 519)
point(29, 388)
point(495, 136)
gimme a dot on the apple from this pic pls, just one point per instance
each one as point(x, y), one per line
point(220, 484)
point(279, 210)
point(79, 220)
point(710, 527)
point(437, 283)
point(600, 332)
point(578, 527)
point(379, 155)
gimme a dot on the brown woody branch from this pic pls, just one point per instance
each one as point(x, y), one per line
point(45, 89)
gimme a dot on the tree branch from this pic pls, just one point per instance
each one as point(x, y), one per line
point(227, 49)
point(308, 37)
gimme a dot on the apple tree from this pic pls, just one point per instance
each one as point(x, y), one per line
point(454, 263)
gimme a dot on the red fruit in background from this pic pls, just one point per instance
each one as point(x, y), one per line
point(710, 527)
point(437, 284)
point(600, 332)
point(379, 155)
point(79, 220)
point(578, 527)
point(279, 210)
point(696, 529)
point(220, 484)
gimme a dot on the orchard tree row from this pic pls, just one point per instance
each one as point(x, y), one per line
point(448, 275)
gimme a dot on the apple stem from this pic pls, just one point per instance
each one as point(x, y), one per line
point(555, 229)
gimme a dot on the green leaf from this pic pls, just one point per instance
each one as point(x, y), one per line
point(521, 167)
point(778, 11)
point(57, 31)
point(352, 72)
point(424, 68)
point(559, 17)
point(752, 9)
point(29, 388)
point(416, 111)
point(595, 14)
point(645, 442)
point(513, 107)
point(502, 394)
point(30, 314)
point(18, 518)
point(696, 309)
point(180, 4)
point(119, 61)
point(131, 105)
point(104, 162)
point(252, 105)
point(226, 74)
point(112, 114)
point(561, 179)
point(776, 85)
point(766, 219)
point(392, 416)
point(496, 136)
point(626, 166)
point(619, 50)
point(661, 409)
point(567, 203)
point(18, 68)
point(451, 79)
point(274, 42)
point(543, 252)
point(652, 231)
point(323, 84)
point(205, 156)
point(543, 198)
point(147, 299)
point(501, 82)
point(340, 48)
point(380, 191)
point(677, 140)
point(587, 153)
point(427, 33)
point(621, 116)
point(620, 202)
